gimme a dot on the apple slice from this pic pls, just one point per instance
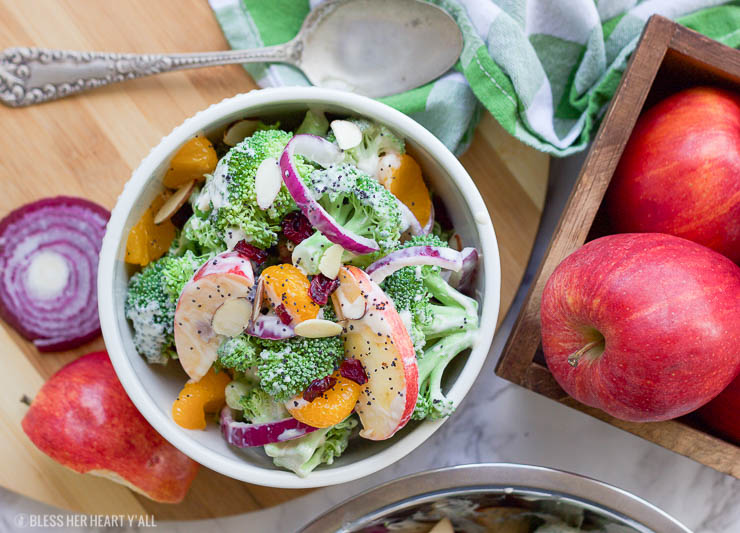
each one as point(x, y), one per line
point(380, 341)
point(83, 419)
point(228, 276)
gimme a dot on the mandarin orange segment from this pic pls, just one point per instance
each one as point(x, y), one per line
point(402, 176)
point(198, 398)
point(330, 408)
point(148, 241)
point(286, 286)
point(195, 158)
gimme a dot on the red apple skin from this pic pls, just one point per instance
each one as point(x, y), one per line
point(83, 419)
point(723, 413)
point(680, 171)
point(668, 311)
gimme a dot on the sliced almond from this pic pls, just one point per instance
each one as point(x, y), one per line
point(443, 526)
point(347, 133)
point(331, 261)
point(257, 303)
point(349, 299)
point(455, 242)
point(232, 317)
point(316, 328)
point(267, 182)
point(174, 202)
point(239, 131)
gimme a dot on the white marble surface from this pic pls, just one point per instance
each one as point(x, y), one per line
point(501, 422)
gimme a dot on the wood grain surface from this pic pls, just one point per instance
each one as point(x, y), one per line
point(668, 59)
point(89, 144)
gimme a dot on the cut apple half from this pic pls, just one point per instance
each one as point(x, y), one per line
point(226, 277)
point(380, 341)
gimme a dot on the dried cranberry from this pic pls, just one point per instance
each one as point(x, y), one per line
point(182, 215)
point(352, 369)
point(318, 387)
point(296, 227)
point(250, 251)
point(321, 288)
point(283, 314)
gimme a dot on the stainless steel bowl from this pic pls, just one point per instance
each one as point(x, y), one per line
point(467, 490)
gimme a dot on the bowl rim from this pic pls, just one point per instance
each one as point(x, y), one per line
point(498, 478)
point(252, 101)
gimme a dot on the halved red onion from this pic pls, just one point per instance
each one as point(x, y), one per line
point(324, 153)
point(48, 269)
point(245, 435)
point(462, 279)
point(440, 256)
point(269, 327)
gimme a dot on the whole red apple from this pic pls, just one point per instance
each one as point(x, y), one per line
point(83, 419)
point(680, 171)
point(723, 413)
point(644, 326)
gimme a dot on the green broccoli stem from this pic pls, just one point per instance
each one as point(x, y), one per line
point(443, 292)
point(431, 369)
point(448, 320)
point(437, 357)
point(310, 250)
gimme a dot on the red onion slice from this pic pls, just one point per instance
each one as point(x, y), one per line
point(244, 435)
point(440, 256)
point(269, 327)
point(324, 153)
point(462, 279)
point(48, 268)
point(415, 227)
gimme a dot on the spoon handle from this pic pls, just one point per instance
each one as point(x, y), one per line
point(34, 75)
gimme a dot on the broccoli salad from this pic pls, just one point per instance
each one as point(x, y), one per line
point(304, 284)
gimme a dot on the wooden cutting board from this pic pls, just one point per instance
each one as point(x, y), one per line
point(88, 146)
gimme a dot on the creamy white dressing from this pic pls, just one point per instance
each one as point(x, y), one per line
point(233, 235)
point(405, 315)
point(290, 434)
point(215, 192)
point(47, 275)
point(351, 309)
point(148, 334)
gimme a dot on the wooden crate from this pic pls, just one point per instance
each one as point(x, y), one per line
point(668, 59)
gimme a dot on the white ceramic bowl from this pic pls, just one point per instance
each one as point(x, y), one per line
point(153, 388)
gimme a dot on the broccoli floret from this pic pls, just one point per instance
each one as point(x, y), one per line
point(151, 311)
point(230, 196)
point(358, 203)
point(409, 294)
point(200, 233)
point(239, 353)
point(151, 300)
point(287, 367)
point(328, 313)
point(454, 321)
point(432, 402)
point(314, 123)
point(441, 322)
point(177, 271)
point(377, 140)
point(259, 407)
point(304, 454)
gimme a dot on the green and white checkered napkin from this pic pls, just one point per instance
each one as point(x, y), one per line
point(545, 69)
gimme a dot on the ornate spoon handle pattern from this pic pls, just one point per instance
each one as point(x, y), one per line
point(34, 75)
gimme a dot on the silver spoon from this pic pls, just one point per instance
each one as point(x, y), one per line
point(371, 47)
